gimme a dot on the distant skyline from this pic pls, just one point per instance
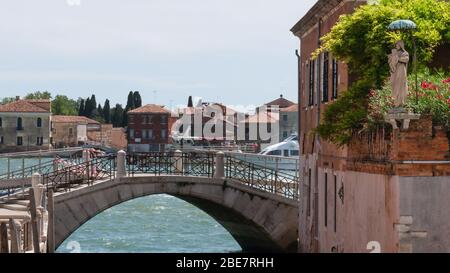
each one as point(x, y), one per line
point(230, 51)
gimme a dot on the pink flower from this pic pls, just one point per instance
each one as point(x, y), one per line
point(446, 81)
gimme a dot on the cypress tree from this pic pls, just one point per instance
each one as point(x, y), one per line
point(137, 100)
point(87, 108)
point(107, 112)
point(81, 109)
point(190, 103)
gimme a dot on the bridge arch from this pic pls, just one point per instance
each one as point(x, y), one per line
point(258, 221)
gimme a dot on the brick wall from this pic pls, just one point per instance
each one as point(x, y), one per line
point(388, 151)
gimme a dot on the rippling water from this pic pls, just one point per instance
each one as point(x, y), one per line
point(154, 224)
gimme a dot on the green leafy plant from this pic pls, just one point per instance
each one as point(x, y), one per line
point(362, 41)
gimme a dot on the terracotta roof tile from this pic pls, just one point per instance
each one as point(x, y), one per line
point(281, 102)
point(73, 119)
point(149, 109)
point(22, 106)
point(293, 108)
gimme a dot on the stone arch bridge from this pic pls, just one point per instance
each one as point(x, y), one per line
point(258, 206)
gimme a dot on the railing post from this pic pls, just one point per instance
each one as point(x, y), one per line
point(51, 222)
point(121, 164)
point(87, 158)
point(16, 236)
point(178, 162)
point(220, 165)
point(34, 221)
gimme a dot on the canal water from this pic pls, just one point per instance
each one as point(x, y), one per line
point(153, 224)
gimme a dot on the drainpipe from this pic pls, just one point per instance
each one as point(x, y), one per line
point(299, 67)
point(299, 133)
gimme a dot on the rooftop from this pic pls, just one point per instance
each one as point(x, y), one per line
point(150, 109)
point(281, 102)
point(24, 106)
point(320, 9)
point(73, 119)
point(292, 108)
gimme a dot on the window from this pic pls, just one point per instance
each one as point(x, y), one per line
point(19, 141)
point(335, 79)
point(147, 119)
point(285, 134)
point(326, 64)
point(19, 124)
point(277, 152)
point(285, 117)
point(147, 134)
point(163, 133)
point(2, 141)
point(163, 119)
point(39, 122)
point(39, 141)
point(311, 82)
point(131, 119)
point(325, 199)
point(131, 133)
point(70, 132)
point(1, 122)
point(295, 153)
point(286, 153)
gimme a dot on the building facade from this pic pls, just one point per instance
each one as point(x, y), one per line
point(388, 189)
point(25, 125)
point(149, 129)
point(71, 131)
point(288, 121)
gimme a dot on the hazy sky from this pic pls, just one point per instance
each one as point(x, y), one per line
point(232, 51)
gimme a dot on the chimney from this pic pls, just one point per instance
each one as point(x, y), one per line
point(281, 96)
point(17, 98)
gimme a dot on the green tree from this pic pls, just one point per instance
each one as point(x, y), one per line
point(100, 110)
point(362, 41)
point(107, 112)
point(38, 95)
point(87, 107)
point(62, 105)
point(81, 109)
point(117, 115)
point(137, 100)
point(7, 100)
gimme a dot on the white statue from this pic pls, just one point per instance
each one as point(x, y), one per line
point(398, 62)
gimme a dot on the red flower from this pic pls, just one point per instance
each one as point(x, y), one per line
point(446, 81)
point(424, 85)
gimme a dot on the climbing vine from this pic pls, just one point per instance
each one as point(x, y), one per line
point(362, 41)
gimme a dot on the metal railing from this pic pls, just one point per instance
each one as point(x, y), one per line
point(259, 177)
point(192, 164)
point(42, 168)
point(202, 164)
point(101, 168)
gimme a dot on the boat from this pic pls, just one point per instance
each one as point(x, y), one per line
point(280, 156)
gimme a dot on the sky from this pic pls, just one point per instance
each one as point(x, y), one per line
point(238, 52)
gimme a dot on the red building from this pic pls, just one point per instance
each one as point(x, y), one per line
point(387, 187)
point(149, 129)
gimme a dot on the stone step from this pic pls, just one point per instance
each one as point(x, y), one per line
point(16, 207)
